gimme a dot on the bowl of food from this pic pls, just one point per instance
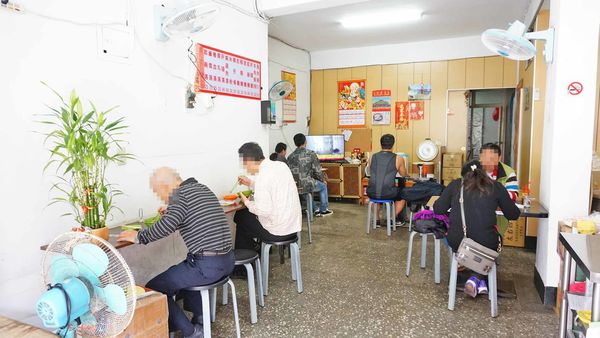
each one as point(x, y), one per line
point(230, 197)
point(247, 193)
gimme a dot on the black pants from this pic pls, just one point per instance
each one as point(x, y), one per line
point(248, 227)
point(193, 271)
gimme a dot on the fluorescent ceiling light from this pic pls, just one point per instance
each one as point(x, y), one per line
point(386, 18)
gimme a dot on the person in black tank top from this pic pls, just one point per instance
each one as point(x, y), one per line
point(383, 167)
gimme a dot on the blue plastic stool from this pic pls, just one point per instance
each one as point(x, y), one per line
point(390, 209)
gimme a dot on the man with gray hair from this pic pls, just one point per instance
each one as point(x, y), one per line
point(194, 210)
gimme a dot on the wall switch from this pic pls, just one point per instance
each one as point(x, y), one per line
point(536, 94)
point(115, 43)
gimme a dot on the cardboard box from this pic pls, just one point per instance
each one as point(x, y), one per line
point(515, 234)
point(150, 319)
point(452, 160)
point(449, 174)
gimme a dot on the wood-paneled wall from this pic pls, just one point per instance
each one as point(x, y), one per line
point(472, 73)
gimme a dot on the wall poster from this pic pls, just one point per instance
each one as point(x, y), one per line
point(416, 110)
point(382, 107)
point(402, 115)
point(351, 103)
point(419, 92)
point(289, 102)
point(224, 73)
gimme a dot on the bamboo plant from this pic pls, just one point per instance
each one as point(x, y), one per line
point(82, 146)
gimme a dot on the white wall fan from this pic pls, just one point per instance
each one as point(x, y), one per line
point(514, 43)
point(183, 22)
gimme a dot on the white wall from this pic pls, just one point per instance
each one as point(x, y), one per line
point(433, 50)
point(568, 125)
point(162, 133)
point(284, 57)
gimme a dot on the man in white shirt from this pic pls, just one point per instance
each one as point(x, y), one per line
point(274, 214)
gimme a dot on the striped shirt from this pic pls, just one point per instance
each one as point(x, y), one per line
point(195, 211)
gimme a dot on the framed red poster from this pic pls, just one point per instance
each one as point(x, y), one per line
point(224, 73)
point(402, 115)
point(416, 110)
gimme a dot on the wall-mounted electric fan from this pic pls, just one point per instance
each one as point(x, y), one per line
point(171, 22)
point(91, 290)
point(514, 43)
point(280, 90)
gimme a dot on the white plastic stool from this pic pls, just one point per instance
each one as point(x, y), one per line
point(309, 218)
point(390, 209)
point(424, 253)
point(246, 258)
point(492, 287)
point(295, 260)
point(209, 304)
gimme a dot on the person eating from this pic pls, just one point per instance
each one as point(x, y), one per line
point(194, 211)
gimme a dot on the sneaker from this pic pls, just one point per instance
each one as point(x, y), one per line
point(482, 288)
point(318, 214)
point(471, 286)
point(326, 212)
point(198, 332)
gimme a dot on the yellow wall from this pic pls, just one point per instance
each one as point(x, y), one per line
point(472, 73)
point(533, 162)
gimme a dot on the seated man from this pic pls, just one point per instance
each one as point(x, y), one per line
point(490, 156)
point(195, 211)
point(274, 214)
point(306, 168)
point(383, 167)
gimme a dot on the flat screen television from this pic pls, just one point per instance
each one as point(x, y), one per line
point(327, 147)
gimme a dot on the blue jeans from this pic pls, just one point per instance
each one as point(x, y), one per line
point(321, 188)
point(193, 271)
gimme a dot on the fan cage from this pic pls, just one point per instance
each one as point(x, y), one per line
point(108, 323)
point(280, 90)
point(191, 20)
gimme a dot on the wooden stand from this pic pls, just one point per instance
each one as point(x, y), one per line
point(344, 180)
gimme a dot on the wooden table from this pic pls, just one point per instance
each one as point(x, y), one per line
point(535, 210)
point(116, 230)
point(585, 251)
point(12, 328)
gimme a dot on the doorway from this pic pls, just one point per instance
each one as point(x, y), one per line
point(490, 120)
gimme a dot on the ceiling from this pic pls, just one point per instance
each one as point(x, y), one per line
point(321, 30)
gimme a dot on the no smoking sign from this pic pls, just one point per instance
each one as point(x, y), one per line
point(575, 88)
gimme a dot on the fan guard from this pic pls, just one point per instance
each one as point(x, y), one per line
point(280, 90)
point(190, 20)
point(514, 43)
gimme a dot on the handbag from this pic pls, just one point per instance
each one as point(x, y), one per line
point(471, 254)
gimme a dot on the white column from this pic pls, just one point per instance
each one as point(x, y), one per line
point(568, 125)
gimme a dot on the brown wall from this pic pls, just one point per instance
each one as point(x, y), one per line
point(472, 73)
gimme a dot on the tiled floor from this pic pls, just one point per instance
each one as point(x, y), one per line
point(354, 285)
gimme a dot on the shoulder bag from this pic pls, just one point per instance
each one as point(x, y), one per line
point(471, 254)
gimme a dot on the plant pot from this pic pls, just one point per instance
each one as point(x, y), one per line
point(101, 232)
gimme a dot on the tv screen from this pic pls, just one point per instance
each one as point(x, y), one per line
point(327, 147)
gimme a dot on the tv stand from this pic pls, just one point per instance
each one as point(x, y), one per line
point(344, 179)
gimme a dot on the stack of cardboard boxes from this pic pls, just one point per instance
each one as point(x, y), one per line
point(451, 167)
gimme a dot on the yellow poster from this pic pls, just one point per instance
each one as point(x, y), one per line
point(289, 102)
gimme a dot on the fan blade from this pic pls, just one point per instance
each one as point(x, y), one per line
point(92, 257)
point(114, 297)
point(86, 273)
point(61, 268)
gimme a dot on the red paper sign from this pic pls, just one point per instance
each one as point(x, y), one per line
point(416, 110)
point(224, 73)
point(402, 115)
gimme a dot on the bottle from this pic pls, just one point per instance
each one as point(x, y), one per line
point(526, 199)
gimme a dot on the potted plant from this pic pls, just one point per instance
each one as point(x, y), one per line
point(82, 146)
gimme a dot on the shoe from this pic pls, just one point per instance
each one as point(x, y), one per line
point(318, 214)
point(326, 212)
point(482, 288)
point(471, 286)
point(198, 332)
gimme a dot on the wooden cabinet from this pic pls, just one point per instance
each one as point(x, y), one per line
point(344, 180)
